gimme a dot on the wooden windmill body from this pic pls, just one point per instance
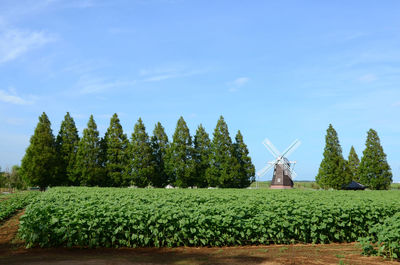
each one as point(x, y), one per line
point(282, 178)
point(283, 168)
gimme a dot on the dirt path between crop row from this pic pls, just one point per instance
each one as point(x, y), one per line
point(8, 230)
point(13, 252)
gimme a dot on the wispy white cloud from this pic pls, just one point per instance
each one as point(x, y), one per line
point(79, 116)
point(11, 96)
point(371, 101)
point(241, 81)
point(92, 77)
point(15, 121)
point(161, 77)
point(93, 84)
point(69, 3)
point(81, 3)
point(368, 78)
point(84, 67)
point(353, 60)
point(15, 42)
point(20, 9)
point(344, 36)
point(237, 83)
point(120, 30)
point(163, 73)
point(106, 116)
point(325, 92)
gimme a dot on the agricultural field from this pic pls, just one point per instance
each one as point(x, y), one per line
point(239, 224)
point(226, 217)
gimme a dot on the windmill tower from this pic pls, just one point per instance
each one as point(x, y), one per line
point(283, 168)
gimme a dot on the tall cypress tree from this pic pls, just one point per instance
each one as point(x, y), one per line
point(247, 169)
point(353, 163)
point(333, 171)
point(159, 146)
point(38, 165)
point(224, 167)
point(88, 170)
point(374, 170)
point(140, 158)
point(201, 155)
point(179, 163)
point(66, 145)
point(116, 157)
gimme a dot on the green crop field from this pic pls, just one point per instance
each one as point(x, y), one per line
point(14, 202)
point(115, 217)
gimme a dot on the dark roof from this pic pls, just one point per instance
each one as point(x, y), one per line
point(354, 186)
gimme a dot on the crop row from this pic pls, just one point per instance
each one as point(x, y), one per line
point(15, 202)
point(113, 217)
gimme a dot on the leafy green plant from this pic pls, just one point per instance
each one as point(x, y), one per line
point(15, 202)
point(115, 217)
point(384, 239)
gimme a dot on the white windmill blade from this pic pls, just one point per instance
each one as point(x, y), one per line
point(293, 174)
point(264, 170)
point(271, 148)
point(291, 148)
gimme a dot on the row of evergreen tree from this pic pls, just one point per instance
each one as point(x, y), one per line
point(373, 171)
point(113, 160)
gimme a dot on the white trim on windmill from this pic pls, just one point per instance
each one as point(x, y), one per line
point(283, 168)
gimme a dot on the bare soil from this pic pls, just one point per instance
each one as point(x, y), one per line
point(13, 252)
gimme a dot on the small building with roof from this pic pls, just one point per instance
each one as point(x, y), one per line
point(354, 186)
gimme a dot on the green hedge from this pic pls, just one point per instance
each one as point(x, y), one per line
point(116, 217)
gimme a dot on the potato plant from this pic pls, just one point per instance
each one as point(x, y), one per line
point(15, 202)
point(115, 217)
point(383, 239)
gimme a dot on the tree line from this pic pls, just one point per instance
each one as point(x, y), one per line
point(11, 178)
point(372, 171)
point(116, 161)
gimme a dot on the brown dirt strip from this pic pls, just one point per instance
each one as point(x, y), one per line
point(13, 252)
point(8, 230)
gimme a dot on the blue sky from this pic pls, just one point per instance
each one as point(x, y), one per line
point(276, 69)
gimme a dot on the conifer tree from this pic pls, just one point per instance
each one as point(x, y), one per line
point(38, 166)
point(140, 158)
point(247, 169)
point(66, 145)
point(103, 155)
point(179, 163)
point(353, 163)
point(224, 167)
point(159, 146)
point(201, 155)
point(374, 170)
point(88, 170)
point(333, 171)
point(116, 157)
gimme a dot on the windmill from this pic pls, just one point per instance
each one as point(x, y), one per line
point(283, 168)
